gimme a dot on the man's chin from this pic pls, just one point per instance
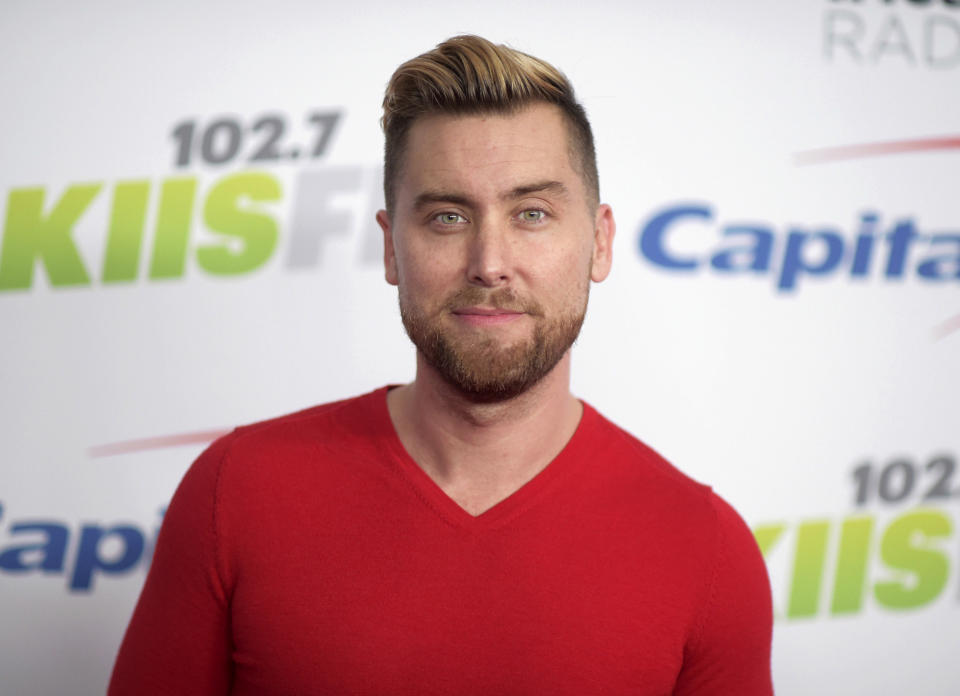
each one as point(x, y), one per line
point(491, 390)
point(489, 373)
point(488, 367)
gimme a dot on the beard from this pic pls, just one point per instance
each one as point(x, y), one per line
point(481, 367)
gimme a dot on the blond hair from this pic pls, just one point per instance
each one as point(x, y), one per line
point(470, 75)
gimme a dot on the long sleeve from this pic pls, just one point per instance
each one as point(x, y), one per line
point(730, 651)
point(178, 640)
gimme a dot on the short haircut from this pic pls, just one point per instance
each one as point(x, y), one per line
point(471, 75)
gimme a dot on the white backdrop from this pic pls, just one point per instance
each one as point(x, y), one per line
point(157, 285)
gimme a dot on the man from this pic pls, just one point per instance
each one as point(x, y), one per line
point(479, 530)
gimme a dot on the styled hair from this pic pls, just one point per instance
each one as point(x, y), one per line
point(471, 75)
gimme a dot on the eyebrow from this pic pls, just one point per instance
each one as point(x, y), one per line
point(554, 187)
point(439, 196)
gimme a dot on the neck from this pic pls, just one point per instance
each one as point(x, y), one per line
point(481, 453)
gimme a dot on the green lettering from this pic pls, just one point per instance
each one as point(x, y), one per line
point(227, 211)
point(29, 235)
point(852, 558)
point(811, 553)
point(905, 547)
point(122, 259)
point(173, 228)
point(767, 535)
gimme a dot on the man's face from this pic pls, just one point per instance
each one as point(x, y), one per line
point(493, 244)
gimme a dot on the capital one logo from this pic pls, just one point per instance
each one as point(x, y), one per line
point(788, 256)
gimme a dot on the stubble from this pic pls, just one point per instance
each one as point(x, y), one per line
point(477, 363)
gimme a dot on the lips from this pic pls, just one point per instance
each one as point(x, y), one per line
point(486, 311)
point(485, 306)
point(487, 316)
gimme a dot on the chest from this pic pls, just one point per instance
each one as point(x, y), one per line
point(399, 604)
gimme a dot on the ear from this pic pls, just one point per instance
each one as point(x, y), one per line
point(604, 229)
point(389, 255)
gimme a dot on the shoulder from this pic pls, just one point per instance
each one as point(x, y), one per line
point(356, 416)
point(727, 648)
point(357, 419)
point(288, 448)
point(641, 469)
point(682, 509)
point(260, 478)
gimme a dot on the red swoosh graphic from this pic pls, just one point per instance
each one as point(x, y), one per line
point(946, 328)
point(152, 443)
point(895, 147)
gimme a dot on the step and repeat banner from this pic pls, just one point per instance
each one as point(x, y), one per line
point(187, 199)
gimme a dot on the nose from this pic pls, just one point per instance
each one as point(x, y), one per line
point(489, 263)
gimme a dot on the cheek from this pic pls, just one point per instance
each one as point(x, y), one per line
point(425, 256)
point(425, 276)
point(567, 271)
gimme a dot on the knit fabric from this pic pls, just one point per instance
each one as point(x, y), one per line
point(311, 555)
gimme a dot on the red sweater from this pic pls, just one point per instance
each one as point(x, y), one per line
point(311, 555)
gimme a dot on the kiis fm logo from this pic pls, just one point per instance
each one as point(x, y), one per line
point(239, 212)
point(892, 562)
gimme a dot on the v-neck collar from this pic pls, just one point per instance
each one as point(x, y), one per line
point(574, 453)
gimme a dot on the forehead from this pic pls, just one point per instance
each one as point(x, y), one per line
point(485, 154)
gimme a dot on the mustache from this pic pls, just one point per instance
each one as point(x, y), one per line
point(502, 298)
